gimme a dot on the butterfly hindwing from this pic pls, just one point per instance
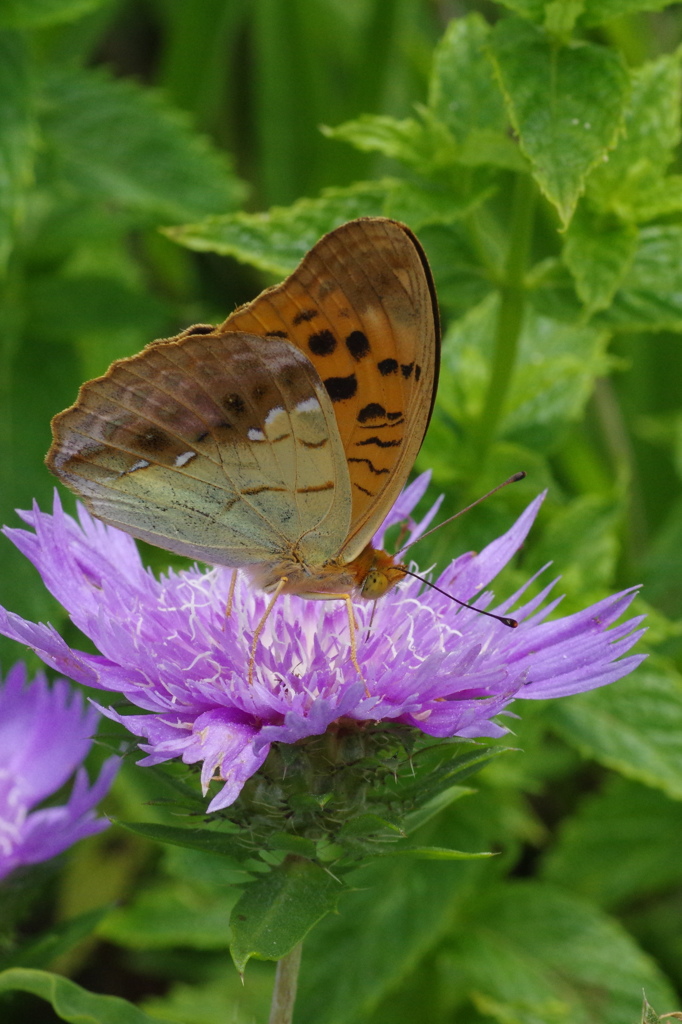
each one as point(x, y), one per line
point(361, 306)
point(212, 446)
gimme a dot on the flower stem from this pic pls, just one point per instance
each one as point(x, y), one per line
point(510, 316)
point(284, 993)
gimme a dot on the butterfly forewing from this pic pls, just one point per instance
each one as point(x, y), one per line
point(361, 306)
point(212, 446)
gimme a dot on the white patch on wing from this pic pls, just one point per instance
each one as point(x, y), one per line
point(140, 464)
point(308, 405)
point(254, 434)
point(273, 414)
point(182, 460)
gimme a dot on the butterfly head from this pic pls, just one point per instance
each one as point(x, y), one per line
point(380, 575)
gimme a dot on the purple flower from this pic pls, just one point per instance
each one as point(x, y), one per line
point(169, 648)
point(44, 736)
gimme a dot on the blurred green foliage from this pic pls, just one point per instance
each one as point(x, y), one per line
point(534, 148)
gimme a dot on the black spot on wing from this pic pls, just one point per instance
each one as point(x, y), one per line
point(406, 370)
point(276, 334)
point(387, 366)
point(234, 403)
point(340, 388)
point(153, 440)
point(394, 415)
point(417, 372)
point(305, 314)
point(373, 411)
point(358, 345)
point(322, 344)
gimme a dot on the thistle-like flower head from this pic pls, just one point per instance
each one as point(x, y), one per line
point(168, 646)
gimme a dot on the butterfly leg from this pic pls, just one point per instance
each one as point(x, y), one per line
point(352, 629)
point(259, 628)
point(230, 594)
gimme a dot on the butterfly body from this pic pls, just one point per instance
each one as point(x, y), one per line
point(277, 442)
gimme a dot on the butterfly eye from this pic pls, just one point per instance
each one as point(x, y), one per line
point(381, 578)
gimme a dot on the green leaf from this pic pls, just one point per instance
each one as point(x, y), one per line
point(425, 145)
point(115, 141)
point(551, 952)
point(582, 541)
point(428, 810)
point(617, 847)
point(650, 295)
point(278, 240)
point(566, 104)
point(275, 913)
point(369, 825)
point(631, 181)
point(193, 838)
point(463, 93)
point(434, 853)
point(598, 250)
point(597, 12)
point(465, 98)
point(30, 14)
point(17, 138)
point(399, 911)
point(71, 1002)
point(165, 915)
point(553, 378)
point(633, 726)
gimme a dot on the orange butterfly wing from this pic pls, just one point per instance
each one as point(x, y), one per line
point(362, 307)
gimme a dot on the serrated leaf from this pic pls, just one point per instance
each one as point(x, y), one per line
point(278, 240)
point(631, 180)
point(17, 137)
point(463, 92)
point(552, 949)
point(566, 104)
point(634, 726)
point(617, 846)
point(425, 145)
point(275, 913)
point(29, 14)
point(71, 1002)
point(598, 250)
point(650, 295)
point(116, 141)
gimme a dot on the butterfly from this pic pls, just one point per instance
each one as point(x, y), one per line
point(276, 442)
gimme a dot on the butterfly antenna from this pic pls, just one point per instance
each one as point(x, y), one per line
point(512, 480)
point(504, 619)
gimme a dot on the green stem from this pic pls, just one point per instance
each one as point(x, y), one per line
point(284, 993)
point(510, 316)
